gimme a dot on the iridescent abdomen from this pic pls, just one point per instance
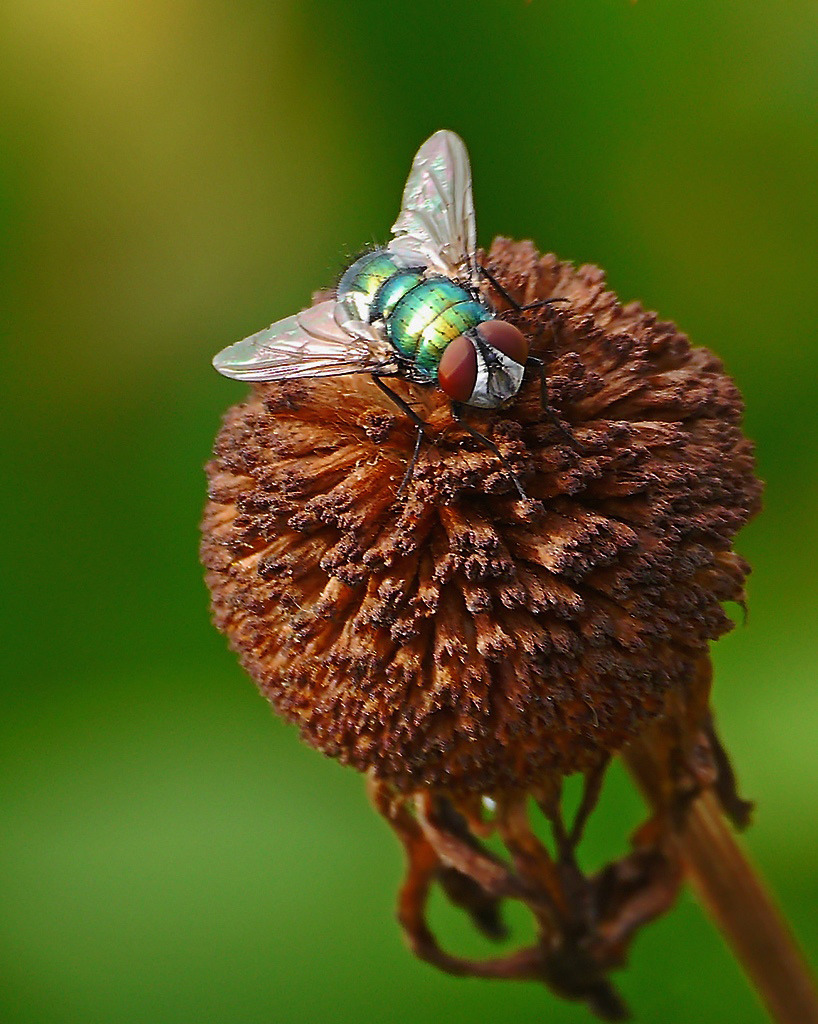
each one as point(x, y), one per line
point(430, 316)
point(362, 281)
point(392, 291)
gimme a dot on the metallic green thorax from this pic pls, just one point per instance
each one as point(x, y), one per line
point(421, 315)
point(429, 317)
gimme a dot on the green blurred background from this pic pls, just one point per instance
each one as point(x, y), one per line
point(175, 174)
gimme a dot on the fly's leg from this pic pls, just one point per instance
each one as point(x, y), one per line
point(536, 362)
point(515, 305)
point(457, 413)
point(407, 410)
point(410, 469)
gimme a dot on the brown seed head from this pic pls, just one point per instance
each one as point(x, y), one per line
point(456, 636)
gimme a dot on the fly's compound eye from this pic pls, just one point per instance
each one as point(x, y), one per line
point(506, 338)
point(457, 372)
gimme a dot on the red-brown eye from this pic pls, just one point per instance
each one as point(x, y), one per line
point(505, 337)
point(457, 372)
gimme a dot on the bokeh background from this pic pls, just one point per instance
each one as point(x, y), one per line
point(177, 173)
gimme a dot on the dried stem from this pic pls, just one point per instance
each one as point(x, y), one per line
point(734, 893)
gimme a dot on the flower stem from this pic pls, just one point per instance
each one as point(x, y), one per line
point(732, 890)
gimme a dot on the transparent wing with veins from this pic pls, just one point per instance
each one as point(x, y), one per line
point(308, 344)
point(436, 227)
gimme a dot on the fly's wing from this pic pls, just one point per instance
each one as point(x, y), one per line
point(436, 227)
point(308, 344)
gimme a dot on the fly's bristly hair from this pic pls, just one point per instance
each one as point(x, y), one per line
point(351, 257)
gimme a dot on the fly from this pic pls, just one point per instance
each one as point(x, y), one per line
point(414, 309)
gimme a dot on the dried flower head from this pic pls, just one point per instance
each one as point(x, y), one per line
point(458, 643)
point(456, 636)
